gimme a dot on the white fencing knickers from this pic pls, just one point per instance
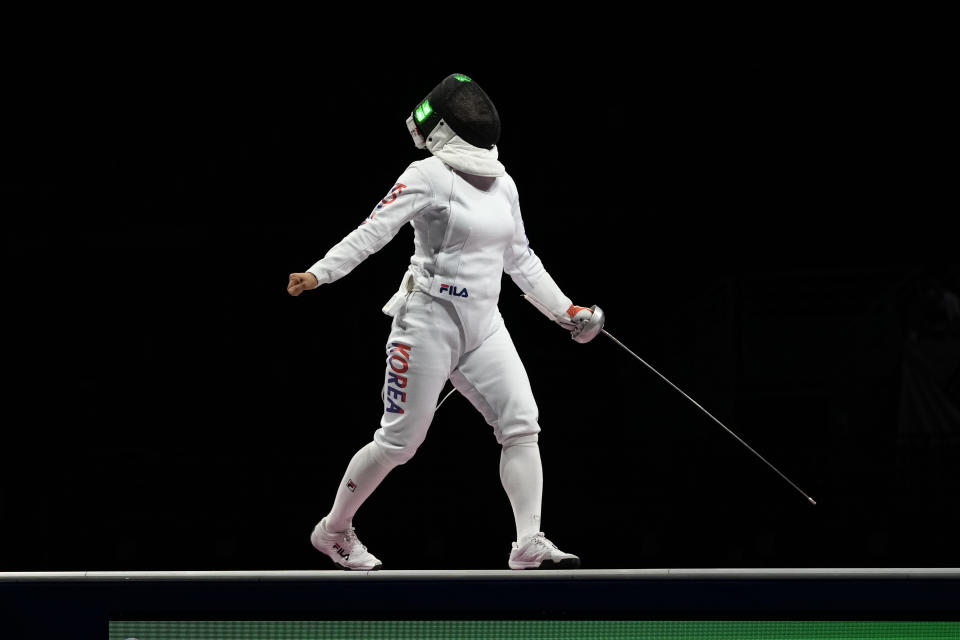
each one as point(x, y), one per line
point(428, 346)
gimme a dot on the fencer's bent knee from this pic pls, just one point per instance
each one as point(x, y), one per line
point(391, 451)
point(531, 438)
point(517, 424)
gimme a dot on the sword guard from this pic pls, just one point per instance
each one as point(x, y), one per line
point(586, 330)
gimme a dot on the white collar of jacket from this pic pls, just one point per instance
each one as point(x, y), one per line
point(461, 155)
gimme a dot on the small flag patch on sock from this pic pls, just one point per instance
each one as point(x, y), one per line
point(351, 485)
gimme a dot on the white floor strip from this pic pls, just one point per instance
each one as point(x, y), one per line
point(506, 574)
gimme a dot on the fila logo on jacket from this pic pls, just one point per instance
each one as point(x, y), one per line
point(451, 290)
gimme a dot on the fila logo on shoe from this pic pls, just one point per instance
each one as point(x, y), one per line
point(399, 363)
point(453, 291)
point(340, 552)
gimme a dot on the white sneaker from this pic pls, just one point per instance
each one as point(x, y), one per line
point(539, 553)
point(344, 548)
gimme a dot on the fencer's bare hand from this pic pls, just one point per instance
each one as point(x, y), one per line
point(300, 282)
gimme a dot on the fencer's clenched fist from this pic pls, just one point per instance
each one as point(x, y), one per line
point(300, 282)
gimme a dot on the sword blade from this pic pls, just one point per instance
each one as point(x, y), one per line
point(697, 404)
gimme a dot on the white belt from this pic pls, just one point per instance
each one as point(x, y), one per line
point(407, 286)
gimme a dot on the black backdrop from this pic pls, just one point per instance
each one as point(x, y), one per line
point(753, 223)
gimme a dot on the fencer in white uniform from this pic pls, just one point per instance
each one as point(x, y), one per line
point(468, 231)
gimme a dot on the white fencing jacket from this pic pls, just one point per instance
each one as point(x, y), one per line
point(467, 233)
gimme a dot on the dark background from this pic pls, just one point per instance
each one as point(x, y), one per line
point(757, 223)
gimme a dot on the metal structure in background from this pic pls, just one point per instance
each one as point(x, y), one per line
point(739, 439)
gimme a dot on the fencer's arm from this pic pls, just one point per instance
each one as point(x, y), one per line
point(409, 197)
point(540, 289)
point(527, 271)
point(583, 323)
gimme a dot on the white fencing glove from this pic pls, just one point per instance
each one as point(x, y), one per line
point(585, 323)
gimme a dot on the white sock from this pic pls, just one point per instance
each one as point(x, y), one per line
point(522, 476)
point(363, 475)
